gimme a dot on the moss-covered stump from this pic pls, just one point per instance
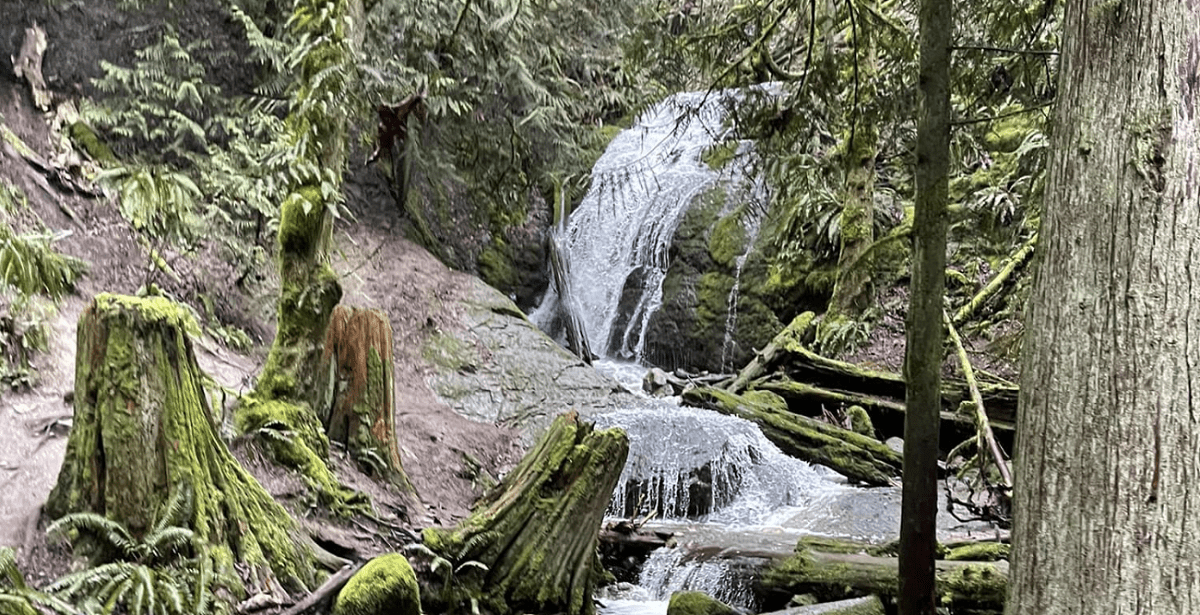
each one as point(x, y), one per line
point(387, 585)
point(143, 426)
point(858, 457)
point(697, 603)
point(961, 586)
point(358, 351)
point(537, 531)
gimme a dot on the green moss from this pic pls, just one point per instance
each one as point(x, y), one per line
point(728, 239)
point(972, 583)
point(798, 334)
point(697, 603)
point(448, 352)
point(979, 552)
point(860, 421)
point(496, 267)
point(301, 221)
point(86, 139)
point(387, 585)
point(718, 155)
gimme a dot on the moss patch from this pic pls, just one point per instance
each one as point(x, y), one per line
point(697, 603)
point(387, 585)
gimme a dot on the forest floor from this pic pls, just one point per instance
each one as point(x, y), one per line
point(380, 269)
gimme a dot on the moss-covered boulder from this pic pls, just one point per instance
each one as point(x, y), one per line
point(697, 603)
point(387, 585)
point(694, 328)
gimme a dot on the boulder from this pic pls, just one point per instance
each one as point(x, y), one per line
point(697, 603)
point(387, 585)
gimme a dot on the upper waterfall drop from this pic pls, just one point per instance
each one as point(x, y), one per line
point(619, 236)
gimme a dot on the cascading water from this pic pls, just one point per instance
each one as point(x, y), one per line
point(618, 238)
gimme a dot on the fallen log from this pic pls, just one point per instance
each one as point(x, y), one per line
point(794, 335)
point(961, 586)
point(858, 457)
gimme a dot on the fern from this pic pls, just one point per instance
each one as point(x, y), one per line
point(164, 572)
point(16, 596)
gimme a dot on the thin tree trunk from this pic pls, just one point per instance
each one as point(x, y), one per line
point(923, 349)
point(1106, 488)
point(143, 426)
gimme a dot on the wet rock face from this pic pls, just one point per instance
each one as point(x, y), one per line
point(693, 329)
point(628, 324)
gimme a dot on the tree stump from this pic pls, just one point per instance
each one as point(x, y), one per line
point(537, 531)
point(358, 351)
point(143, 428)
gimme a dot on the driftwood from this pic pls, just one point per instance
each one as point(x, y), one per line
point(858, 457)
point(961, 586)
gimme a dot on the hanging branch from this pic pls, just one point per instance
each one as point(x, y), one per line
point(1019, 258)
point(983, 428)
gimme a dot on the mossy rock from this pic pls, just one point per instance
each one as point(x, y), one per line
point(697, 603)
point(860, 421)
point(387, 585)
point(728, 239)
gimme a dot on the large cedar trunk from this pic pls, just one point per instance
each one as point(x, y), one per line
point(143, 427)
point(1108, 443)
point(358, 349)
point(538, 530)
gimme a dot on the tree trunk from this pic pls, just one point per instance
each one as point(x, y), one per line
point(537, 532)
point(143, 427)
point(923, 329)
point(358, 349)
point(1106, 490)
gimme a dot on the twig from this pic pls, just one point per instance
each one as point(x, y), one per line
point(982, 426)
point(992, 118)
point(1033, 52)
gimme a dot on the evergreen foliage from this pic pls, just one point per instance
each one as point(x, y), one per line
point(164, 572)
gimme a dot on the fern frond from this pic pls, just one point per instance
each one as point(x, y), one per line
point(8, 568)
point(97, 527)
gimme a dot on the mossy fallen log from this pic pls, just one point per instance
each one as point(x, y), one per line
point(811, 380)
point(536, 533)
point(963, 587)
point(143, 427)
point(858, 457)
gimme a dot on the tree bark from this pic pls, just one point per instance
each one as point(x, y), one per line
point(358, 350)
point(537, 532)
point(1108, 446)
point(923, 329)
point(143, 427)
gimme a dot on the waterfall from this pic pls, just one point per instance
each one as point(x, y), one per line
point(692, 463)
point(618, 238)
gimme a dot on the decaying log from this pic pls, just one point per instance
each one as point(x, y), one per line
point(28, 65)
point(143, 428)
point(961, 586)
point(858, 457)
point(827, 380)
point(536, 532)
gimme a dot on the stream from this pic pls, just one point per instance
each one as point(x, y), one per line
point(733, 500)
